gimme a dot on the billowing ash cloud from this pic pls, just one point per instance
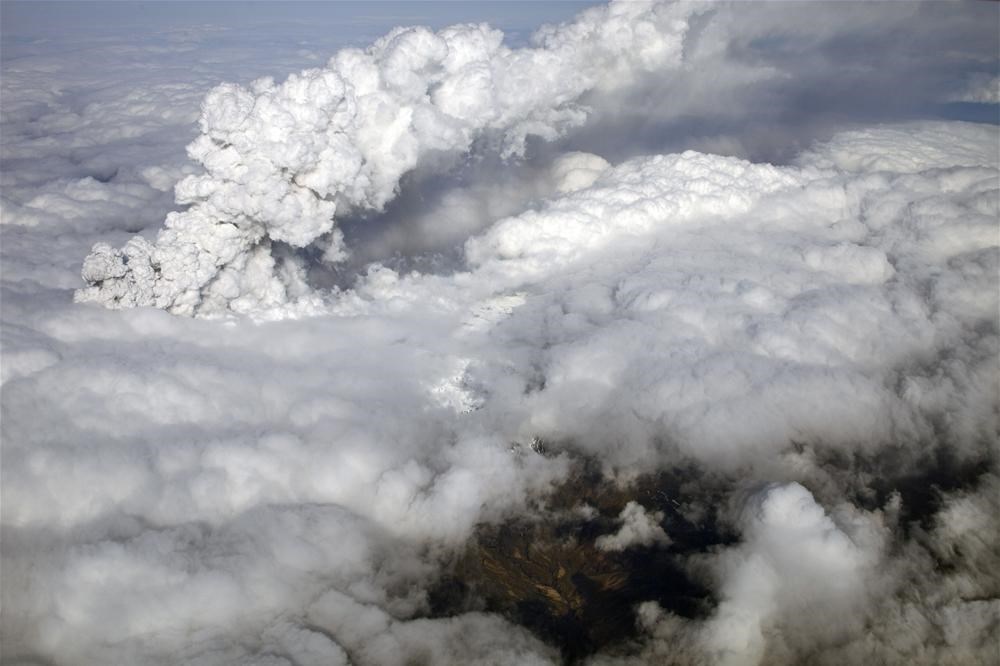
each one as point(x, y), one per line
point(759, 401)
point(282, 161)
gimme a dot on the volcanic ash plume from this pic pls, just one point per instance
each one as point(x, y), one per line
point(283, 161)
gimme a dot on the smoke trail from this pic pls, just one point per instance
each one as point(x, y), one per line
point(283, 161)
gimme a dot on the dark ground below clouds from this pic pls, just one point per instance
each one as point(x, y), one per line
point(544, 571)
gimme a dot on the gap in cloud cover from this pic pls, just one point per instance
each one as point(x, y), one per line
point(552, 571)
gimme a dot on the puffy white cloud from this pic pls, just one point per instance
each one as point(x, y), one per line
point(638, 528)
point(908, 148)
point(795, 563)
point(693, 298)
point(576, 171)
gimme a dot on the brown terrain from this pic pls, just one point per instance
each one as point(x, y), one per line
point(545, 571)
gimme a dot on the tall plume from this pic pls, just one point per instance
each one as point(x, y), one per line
point(284, 160)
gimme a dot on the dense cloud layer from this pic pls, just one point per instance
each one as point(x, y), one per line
point(814, 343)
